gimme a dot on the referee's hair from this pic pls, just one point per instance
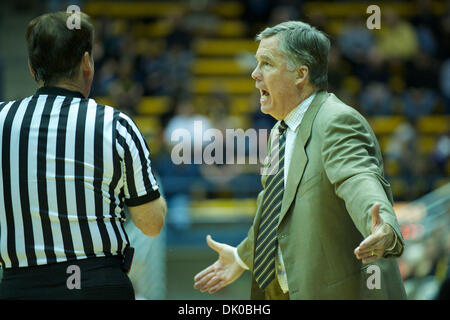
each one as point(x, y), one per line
point(54, 50)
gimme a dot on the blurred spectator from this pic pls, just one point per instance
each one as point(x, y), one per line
point(397, 38)
point(220, 175)
point(177, 70)
point(199, 19)
point(283, 12)
point(441, 153)
point(376, 99)
point(402, 147)
point(424, 15)
point(412, 167)
point(178, 179)
point(151, 71)
point(256, 13)
point(183, 181)
point(189, 121)
point(112, 34)
point(58, 5)
point(355, 40)
point(427, 25)
point(180, 34)
point(445, 83)
point(444, 36)
point(338, 69)
point(422, 72)
point(105, 78)
point(317, 19)
point(374, 70)
point(125, 91)
point(418, 102)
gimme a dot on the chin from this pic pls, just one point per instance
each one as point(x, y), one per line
point(265, 109)
point(268, 110)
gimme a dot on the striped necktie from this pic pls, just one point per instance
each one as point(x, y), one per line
point(266, 242)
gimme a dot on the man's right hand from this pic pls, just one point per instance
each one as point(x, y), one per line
point(222, 272)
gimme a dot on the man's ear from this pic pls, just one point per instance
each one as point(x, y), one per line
point(86, 63)
point(302, 75)
point(31, 70)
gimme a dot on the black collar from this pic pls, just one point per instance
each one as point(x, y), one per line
point(58, 91)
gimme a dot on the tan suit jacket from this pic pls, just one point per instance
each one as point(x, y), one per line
point(335, 176)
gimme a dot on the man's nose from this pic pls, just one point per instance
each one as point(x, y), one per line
point(256, 75)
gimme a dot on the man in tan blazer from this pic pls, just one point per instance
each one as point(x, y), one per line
point(335, 233)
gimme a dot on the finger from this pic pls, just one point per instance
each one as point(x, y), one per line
point(211, 283)
point(375, 214)
point(217, 287)
point(204, 272)
point(371, 242)
point(360, 255)
point(204, 280)
point(216, 246)
point(356, 252)
point(369, 255)
point(370, 259)
point(367, 247)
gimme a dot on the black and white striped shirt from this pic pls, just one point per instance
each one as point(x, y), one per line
point(68, 167)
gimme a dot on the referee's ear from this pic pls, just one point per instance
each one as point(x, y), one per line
point(32, 71)
point(87, 63)
point(87, 72)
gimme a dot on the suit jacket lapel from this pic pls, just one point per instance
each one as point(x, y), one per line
point(299, 158)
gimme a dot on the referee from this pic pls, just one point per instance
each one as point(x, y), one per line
point(69, 167)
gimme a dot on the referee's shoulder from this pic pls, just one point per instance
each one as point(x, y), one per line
point(10, 102)
point(109, 108)
point(118, 115)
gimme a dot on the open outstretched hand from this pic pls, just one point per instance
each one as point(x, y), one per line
point(382, 236)
point(222, 272)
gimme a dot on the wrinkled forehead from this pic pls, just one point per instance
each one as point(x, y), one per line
point(269, 48)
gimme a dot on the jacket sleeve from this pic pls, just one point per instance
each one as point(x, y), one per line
point(353, 164)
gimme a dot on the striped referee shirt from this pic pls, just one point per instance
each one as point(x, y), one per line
point(68, 167)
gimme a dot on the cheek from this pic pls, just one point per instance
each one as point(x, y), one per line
point(283, 91)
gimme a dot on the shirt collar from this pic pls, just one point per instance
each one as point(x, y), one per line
point(294, 118)
point(58, 91)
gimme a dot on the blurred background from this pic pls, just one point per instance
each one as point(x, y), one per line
point(169, 63)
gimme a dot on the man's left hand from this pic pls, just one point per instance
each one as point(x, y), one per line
point(381, 238)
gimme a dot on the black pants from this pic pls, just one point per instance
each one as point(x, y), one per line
point(99, 278)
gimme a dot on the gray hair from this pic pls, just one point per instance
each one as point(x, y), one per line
point(303, 44)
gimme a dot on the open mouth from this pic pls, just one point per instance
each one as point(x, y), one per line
point(265, 93)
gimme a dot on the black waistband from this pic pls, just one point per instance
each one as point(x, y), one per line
point(110, 261)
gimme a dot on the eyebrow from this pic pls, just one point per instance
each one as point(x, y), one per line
point(264, 57)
